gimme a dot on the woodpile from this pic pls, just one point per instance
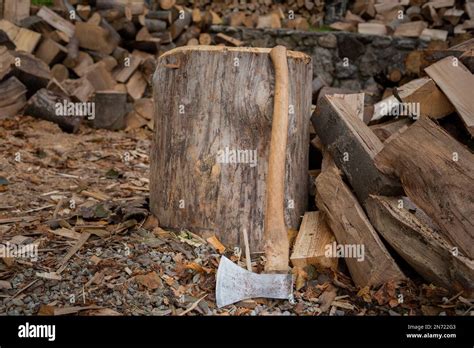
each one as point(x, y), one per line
point(427, 19)
point(399, 185)
point(103, 54)
point(292, 14)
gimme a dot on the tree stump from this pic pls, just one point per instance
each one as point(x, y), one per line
point(213, 121)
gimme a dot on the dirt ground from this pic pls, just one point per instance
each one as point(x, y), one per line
point(83, 200)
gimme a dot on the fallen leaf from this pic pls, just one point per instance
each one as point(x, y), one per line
point(197, 267)
point(365, 294)
point(216, 244)
point(326, 298)
point(5, 284)
point(151, 280)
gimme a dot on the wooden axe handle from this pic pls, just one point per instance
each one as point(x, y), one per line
point(275, 233)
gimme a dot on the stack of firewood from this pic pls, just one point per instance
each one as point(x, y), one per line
point(430, 20)
point(104, 54)
point(397, 176)
point(294, 14)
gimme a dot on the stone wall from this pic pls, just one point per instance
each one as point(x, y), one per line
point(368, 61)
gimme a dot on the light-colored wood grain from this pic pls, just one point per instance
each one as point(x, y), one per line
point(16, 10)
point(457, 82)
point(423, 91)
point(351, 226)
point(313, 237)
point(437, 174)
point(421, 246)
point(56, 21)
point(225, 106)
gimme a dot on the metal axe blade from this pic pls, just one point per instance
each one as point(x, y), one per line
point(236, 284)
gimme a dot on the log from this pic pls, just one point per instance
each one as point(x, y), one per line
point(57, 88)
point(456, 82)
point(50, 52)
point(13, 99)
point(311, 242)
point(136, 85)
point(56, 21)
point(220, 197)
point(427, 101)
point(24, 39)
point(6, 41)
point(180, 24)
point(226, 39)
point(420, 245)
point(205, 39)
point(154, 25)
point(83, 63)
point(6, 61)
point(436, 173)
point(80, 90)
point(269, 21)
point(467, 58)
point(94, 37)
point(59, 72)
point(72, 52)
point(434, 34)
point(385, 130)
point(372, 28)
point(410, 29)
point(167, 4)
point(32, 72)
point(43, 105)
point(352, 145)
point(84, 11)
point(162, 15)
point(111, 109)
point(16, 10)
point(351, 227)
point(100, 78)
point(123, 73)
point(190, 33)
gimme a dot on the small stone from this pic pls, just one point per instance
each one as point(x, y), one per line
point(350, 47)
point(353, 85)
point(382, 42)
point(328, 41)
point(17, 302)
point(407, 44)
point(344, 72)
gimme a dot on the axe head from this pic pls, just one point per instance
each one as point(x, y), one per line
point(235, 284)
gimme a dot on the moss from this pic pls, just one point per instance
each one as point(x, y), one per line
point(42, 2)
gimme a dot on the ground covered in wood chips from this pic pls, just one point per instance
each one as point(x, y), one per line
point(83, 200)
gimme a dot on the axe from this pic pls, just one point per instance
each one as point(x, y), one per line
point(234, 283)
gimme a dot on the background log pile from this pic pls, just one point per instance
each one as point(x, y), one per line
point(430, 20)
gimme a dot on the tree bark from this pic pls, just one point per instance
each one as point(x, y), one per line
point(208, 99)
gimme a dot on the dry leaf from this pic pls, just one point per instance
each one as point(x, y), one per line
point(151, 280)
point(216, 244)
